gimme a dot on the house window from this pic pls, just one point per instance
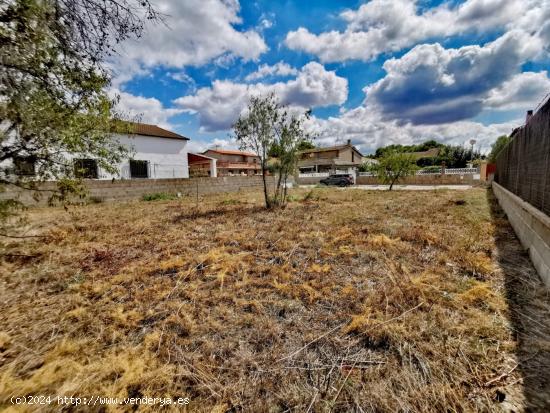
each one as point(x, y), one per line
point(24, 165)
point(85, 168)
point(139, 169)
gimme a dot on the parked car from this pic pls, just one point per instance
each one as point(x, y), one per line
point(338, 179)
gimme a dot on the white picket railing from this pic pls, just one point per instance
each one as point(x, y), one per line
point(461, 171)
point(314, 175)
point(429, 172)
point(448, 171)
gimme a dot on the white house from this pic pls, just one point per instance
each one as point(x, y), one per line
point(156, 153)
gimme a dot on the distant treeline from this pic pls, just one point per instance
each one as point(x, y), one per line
point(453, 156)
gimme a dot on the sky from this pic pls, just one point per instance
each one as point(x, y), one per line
point(376, 72)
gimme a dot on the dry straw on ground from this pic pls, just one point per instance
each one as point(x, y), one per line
point(343, 301)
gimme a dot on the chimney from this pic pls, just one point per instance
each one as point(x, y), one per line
point(528, 116)
point(349, 140)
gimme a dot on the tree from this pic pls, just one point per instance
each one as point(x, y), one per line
point(453, 156)
point(290, 137)
point(305, 144)
point(269, 128)
point(497, 147)
point(394, 166)
point(53, 99)
point(365, 166)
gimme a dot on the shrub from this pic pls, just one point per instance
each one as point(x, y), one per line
point(158, 196)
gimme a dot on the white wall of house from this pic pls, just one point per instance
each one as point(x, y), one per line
point(166, 157)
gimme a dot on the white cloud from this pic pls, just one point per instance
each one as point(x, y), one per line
point(183, 77)
point(194, 33)
point(381, 26)
point(278, 69)
point(146, 110)
point(431, 84)
point(368, 130)
point(197, 146)
point(523, 91)
point(219, 106)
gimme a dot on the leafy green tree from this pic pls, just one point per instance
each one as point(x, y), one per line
point(497, 147)
point(393, 167)
point(267, 128)
point(453, 156)
point(305, 144)
point(53, 99)
point(365, 167)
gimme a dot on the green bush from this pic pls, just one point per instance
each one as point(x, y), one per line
point(158, 196)
point(434, 168)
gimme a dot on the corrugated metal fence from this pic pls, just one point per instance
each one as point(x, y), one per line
point(523, 166)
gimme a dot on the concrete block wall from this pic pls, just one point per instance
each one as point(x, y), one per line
point(131, 189)
point(532, 227)
point(466, 179)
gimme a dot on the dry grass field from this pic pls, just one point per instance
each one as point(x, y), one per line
point(346, 300)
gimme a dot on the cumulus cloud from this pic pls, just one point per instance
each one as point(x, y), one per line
point(368, 130)
point(146, 110)
point(278, 69)
point(381, 26)
point(195, 32)
point(197, 146)
point(522, 91)
point(219, 106)
point(431, 84)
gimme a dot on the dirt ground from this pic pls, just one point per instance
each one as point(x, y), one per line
point(362, 301)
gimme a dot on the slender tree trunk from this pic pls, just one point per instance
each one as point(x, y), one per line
point(284, 186)
point(393, 181)
point(278, 189)
point(266, 195)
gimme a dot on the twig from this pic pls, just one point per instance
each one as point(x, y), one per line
point(342, 386)
point(22, 236)
point(312, 401)
point(19, 255)
point(313, 341)
point(399, 316)
point(503, 375)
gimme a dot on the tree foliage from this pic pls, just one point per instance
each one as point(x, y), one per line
point(427, 145)
point(394, 166)
point(269, 129)
point(53, 99)
point(498, 146)
point(453, 156)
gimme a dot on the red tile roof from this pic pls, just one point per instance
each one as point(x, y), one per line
point(230, 152)
point(153, 130)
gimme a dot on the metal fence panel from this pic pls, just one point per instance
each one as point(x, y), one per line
point(523, 166)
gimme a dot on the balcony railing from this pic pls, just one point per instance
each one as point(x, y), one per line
point(225, 164)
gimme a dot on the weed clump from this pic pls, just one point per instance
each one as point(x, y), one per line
point(158, 196)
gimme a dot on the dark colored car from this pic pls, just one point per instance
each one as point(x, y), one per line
point(338, 179)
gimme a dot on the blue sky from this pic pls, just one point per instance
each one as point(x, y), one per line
point(376, 72)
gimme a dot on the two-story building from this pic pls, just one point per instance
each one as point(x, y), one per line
point(232, 162)
point(333, 159)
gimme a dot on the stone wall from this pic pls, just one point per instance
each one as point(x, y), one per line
point(126, 190)
point(532, 227)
